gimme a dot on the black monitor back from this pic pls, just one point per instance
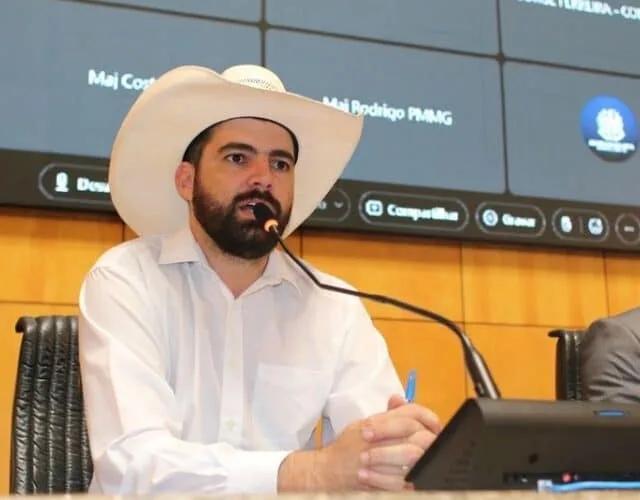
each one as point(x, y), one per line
point(512, 444)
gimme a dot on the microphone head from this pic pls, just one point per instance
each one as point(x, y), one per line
point(265, 216)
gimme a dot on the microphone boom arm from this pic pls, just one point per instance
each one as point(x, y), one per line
point(483, 382)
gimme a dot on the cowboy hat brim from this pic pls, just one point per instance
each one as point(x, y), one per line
point(169, 114)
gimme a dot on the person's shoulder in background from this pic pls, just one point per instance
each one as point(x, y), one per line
point(610, 358)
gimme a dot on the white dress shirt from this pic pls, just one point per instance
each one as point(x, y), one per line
point(188, 389)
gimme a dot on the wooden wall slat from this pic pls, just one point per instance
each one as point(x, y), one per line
point(44, 260)
point(521, 359)
point(517, 286)
point(414, 270)
point(623, 282)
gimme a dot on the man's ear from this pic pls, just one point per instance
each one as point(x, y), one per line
point(184, 179)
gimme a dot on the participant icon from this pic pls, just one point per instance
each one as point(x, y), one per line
point(609, 128)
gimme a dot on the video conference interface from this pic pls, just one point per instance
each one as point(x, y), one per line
point(505, 120)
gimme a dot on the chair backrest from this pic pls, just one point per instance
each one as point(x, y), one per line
point(568, 383)
point(49, 445)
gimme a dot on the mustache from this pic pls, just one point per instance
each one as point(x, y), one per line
point(256, 194)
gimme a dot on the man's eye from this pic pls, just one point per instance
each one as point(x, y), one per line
point(236, 157)
point(281, 165)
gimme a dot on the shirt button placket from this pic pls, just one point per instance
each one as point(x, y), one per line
point(232, 397)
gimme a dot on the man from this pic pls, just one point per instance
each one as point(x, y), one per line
point(207, 358)
point(610, 359)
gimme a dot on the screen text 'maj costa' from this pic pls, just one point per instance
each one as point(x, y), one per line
point(116, 80)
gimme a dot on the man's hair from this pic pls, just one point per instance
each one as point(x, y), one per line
point(193, 153)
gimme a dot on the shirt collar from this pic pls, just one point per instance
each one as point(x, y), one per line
point(181, 247)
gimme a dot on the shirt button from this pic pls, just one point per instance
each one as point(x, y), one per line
point(231, 425)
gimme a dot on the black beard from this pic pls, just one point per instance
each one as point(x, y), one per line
point(244, 239)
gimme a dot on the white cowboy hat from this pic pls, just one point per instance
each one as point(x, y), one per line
point(181, 103)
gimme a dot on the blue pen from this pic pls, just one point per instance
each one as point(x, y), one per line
point(410, 391)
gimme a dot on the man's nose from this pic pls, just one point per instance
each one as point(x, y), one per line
point(261, 172)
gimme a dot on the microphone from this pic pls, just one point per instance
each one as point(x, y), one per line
point(483, 382)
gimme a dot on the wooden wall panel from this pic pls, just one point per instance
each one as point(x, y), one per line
point(294, 243)
point(129, 234)
point(532, 286)
point(435, 355)
point(413, 270)
point(520, 358)
point(45, 259)
point(623, 282)
point(9, 351)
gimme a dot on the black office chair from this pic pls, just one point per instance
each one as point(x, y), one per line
point(49, 445)
point(568, 383)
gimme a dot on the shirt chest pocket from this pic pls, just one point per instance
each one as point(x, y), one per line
point(287, 404)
